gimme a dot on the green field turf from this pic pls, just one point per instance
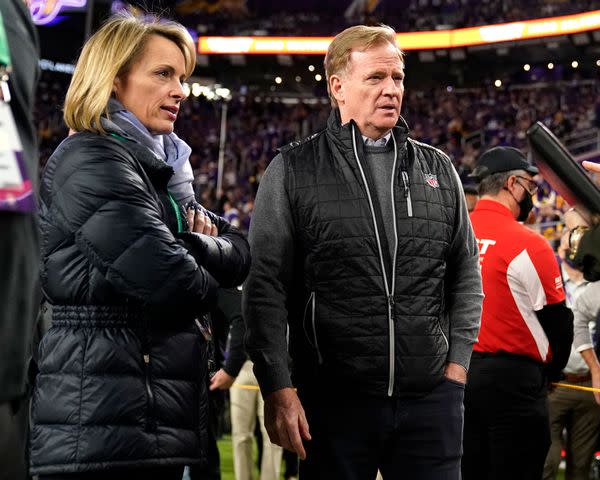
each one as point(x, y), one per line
point(225, 450)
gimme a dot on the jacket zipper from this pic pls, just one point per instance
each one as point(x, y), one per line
point(150, 426)
point(207, 336)
point(389, 296)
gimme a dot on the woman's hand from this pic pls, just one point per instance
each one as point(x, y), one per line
point(199, 222)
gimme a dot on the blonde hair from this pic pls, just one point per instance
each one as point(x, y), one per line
point(358, 37)
point(110, 53)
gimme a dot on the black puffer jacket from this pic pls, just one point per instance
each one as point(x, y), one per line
point(122, 377)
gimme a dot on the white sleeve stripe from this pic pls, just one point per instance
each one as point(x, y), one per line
point(522, 269)
point(529, 295)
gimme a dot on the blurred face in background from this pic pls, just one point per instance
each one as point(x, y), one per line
point(472, 199)
point(152, 88)
point(370, 90)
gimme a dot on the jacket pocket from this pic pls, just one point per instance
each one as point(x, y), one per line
point(439, 325)
point(310, 313)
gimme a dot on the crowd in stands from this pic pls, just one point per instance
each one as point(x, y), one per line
point(315, 18)
point(462, 123)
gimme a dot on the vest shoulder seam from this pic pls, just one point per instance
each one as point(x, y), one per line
point(298, 143)
point(425, 146)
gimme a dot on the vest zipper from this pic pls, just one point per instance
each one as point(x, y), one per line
point(389, 296)
point(406, 182)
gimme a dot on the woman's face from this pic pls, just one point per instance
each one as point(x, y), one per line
point(152, 90)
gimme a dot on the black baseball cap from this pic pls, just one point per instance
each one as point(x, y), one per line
point(501, 159)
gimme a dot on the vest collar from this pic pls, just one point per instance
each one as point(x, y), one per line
point(342, 134)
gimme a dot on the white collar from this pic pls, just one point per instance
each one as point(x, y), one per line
point(377, 143)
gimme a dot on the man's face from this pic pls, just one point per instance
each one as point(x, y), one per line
point(370, 91)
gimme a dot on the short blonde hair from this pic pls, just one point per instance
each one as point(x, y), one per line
point(109, 54)
point(358, 37)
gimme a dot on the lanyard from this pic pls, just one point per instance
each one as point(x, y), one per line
point(5, 63)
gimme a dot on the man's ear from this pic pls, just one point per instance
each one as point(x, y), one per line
point(510, 182)
point(336, 87)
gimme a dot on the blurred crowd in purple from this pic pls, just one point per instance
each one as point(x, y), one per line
point(462, 123)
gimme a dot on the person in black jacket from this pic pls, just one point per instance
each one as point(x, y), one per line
point(362, 246)
point(583, 242)
point(122, 388)
point(19, 249)
point(246, 403)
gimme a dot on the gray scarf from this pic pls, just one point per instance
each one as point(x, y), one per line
point(170, 148)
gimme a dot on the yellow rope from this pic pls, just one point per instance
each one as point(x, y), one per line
point(576, 387)
point(246, 387)
point(562, 385)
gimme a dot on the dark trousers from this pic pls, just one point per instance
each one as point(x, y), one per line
point(13, 439)
point(578, 412)
point(291, 464)
point(211, 470)
point(507, 432)
point(149, 473)
point(405, 438)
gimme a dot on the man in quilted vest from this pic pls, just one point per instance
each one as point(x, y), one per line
point(365, 264)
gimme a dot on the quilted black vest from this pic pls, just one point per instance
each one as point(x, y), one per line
point(360, 320)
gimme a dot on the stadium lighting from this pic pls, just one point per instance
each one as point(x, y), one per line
point(425, 40)
point(498, 83)
point(598, 63)
point(574, 63)
point(196, 89)
point(526, 67)
point(318, 77)
point(550, 66)
point(278, 80)
point(311, 68)
point(298, 78)
point(223, 92)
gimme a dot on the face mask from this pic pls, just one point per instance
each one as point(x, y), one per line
point(525, 207)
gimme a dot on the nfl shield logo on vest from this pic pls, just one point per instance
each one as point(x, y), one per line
point(432, 180)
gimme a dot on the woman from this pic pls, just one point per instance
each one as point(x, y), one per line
point(121, 391)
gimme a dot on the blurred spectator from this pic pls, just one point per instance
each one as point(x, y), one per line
point(462, 122)
point(315, 18)
point(19, 261)
point(573, 410)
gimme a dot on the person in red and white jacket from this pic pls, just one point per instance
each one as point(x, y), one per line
point(526, 328)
